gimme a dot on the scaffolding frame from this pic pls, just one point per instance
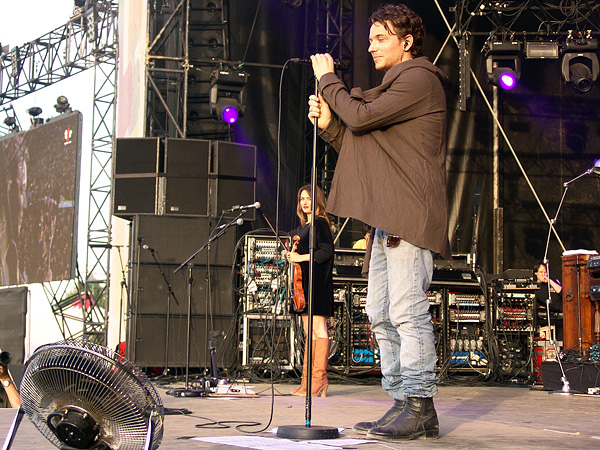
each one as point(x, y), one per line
point(186, 42)
point(88, 40)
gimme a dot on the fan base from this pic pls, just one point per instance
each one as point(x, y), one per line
point(304, 432)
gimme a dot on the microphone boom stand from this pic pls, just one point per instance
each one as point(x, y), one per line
point(169, 294)
point(308, 431)
point(565, 388)
point(187, 391)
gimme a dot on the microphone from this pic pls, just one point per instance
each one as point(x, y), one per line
point(240, 221)
point(146, 247)
point(340, 65)
point(596, 168)
point(238, 207)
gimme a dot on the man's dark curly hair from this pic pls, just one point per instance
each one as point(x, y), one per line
point(405, 21)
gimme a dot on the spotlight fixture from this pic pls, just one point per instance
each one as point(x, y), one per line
point(541, 50)
point(227, 94)
point(503, 63)
point(11, 123)
point(11, 120)
point(62, 105)
point(580, 63)
point(34, 112)
point(228, 110)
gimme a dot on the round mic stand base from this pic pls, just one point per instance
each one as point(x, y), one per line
point(566, 390)
point(307, 433)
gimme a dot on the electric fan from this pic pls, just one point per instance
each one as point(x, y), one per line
point(81, 395)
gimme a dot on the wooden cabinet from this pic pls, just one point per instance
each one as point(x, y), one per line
point(580, 310)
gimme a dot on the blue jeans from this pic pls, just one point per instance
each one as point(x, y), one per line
point(398, 310)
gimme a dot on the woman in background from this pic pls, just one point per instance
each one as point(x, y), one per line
point(322, 299)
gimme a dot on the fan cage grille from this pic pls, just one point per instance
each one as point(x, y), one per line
point(114, 391)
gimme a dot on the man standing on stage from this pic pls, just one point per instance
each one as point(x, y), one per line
point(391, 174)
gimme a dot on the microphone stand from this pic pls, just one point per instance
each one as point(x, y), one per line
point(566, 390)
point(187, 391)
point(124, 291)
point(308, 431)
point(476, 200)
point(169, 294)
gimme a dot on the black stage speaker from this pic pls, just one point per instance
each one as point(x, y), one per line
point(152, 289)
point(581, 375)
point(138, 155)
point(171, 240)
point(150, 332)
point(13, 304)
point(136, 187)
point(186, 183)
point(235, 168)
point(176, 238)
point(212, 298)
point(134, 195)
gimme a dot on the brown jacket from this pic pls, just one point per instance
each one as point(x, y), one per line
point(391, 172)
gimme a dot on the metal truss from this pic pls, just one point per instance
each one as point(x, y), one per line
point(549, 20)
point(187, 42)
point(89, 39)
point(329, 29)
point(512, 18)
point(97, 269)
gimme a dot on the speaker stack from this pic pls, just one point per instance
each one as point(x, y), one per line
point(160, 297)
point(172, 190)
point(182, 177)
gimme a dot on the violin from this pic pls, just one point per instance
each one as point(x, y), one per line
point(298, 297)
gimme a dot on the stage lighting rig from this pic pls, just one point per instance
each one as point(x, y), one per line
point(503, 63)
point(580, 63)
point(227, 93)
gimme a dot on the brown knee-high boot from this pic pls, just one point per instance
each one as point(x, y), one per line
point(319, 371)
point(301, 390)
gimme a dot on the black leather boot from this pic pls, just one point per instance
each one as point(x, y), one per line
point(418, 419)
point(364, 427)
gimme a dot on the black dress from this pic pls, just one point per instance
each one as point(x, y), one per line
point(555, 298)
point(323, 267)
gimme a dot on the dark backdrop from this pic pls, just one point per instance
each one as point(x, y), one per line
point(554, 131)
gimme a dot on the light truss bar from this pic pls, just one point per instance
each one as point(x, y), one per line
point(59, 54)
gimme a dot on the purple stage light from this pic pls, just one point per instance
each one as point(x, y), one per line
point(507, 80)
point(230, 114)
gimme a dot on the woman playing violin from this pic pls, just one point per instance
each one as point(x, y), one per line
point(322, 302)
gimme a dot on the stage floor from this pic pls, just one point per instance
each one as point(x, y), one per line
point(471, 417)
